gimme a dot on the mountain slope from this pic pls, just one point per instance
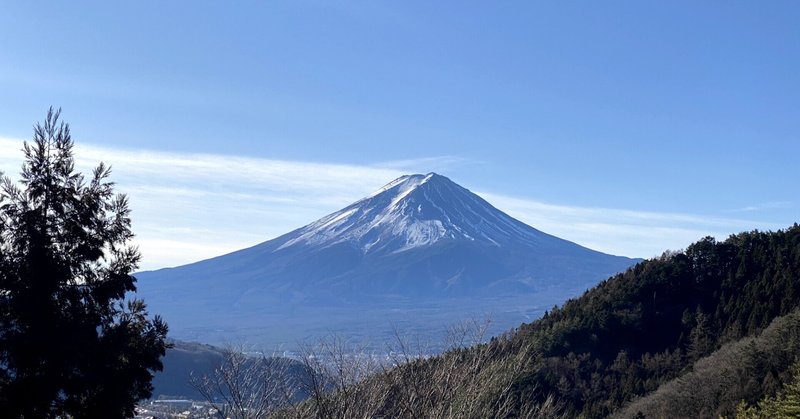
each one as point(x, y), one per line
point(743, 370)
point(420, 238)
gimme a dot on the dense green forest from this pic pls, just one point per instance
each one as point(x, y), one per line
point(645, 326)
point(739, 372)
point(657, 326)
point(784, 405)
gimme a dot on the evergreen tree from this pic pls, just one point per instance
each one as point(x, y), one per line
point(784, 405)
point(700, 340)
point(70, 343)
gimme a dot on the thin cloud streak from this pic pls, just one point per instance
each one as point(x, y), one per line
point(765, 206)
point(189, 207)
point(421, 165)
point(620, 231)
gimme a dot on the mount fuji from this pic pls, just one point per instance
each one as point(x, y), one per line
point(420, 253)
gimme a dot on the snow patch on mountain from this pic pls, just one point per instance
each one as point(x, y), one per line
point(409, 212)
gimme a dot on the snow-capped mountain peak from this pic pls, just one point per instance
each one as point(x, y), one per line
point(406, 184)
point(413, 211)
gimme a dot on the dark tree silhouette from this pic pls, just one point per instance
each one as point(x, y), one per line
point(70, 343)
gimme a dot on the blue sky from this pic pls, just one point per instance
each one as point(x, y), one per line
point(629, 127)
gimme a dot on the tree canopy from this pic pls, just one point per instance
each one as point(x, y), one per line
point(644, 327)
point(70, 342)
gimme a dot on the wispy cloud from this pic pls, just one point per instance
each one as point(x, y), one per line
point(621, 231)
point(188, 207)
point(423, 164)
point(765, 206)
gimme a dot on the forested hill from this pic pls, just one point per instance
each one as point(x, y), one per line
point(640, 328)
point(621, 340)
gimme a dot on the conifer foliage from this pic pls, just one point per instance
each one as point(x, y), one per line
point(70, 343)
point(784, 405)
